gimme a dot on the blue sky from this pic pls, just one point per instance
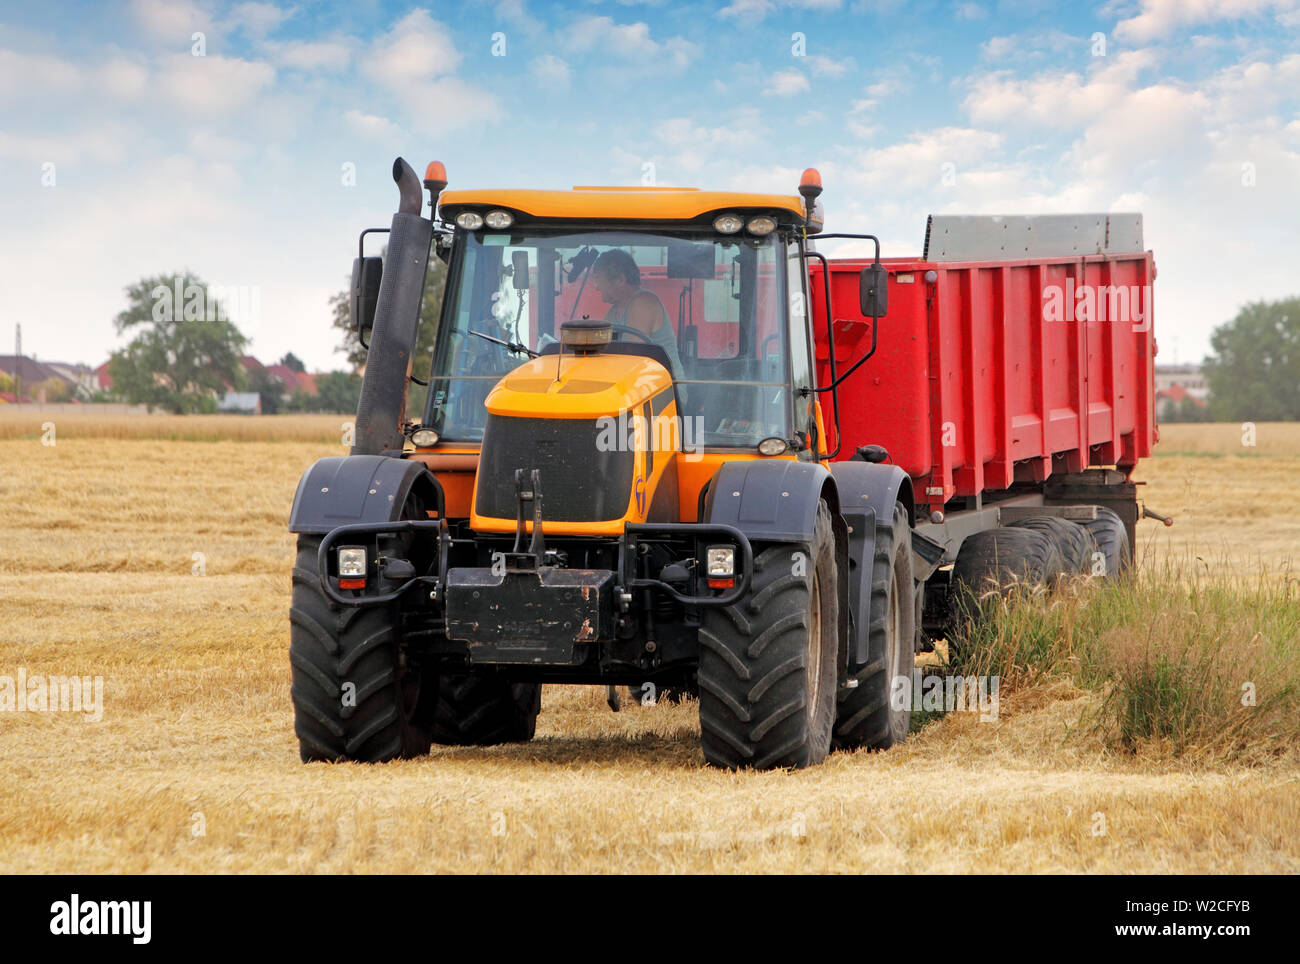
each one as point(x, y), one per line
point(122, 154)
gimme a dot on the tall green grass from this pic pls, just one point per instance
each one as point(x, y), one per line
point(1189, 659)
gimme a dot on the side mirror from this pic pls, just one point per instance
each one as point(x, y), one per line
point(873, 290)
point(519, 271)
point(366, 274)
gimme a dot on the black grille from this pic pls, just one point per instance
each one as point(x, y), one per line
point(579, 482)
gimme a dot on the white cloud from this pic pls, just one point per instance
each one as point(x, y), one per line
point(416, 50)
point(373, 127)
point(416, 61)
point(787, 83)
point(212, 84)
point(24, 74)
point(173, 21)
point(1160, 18)
point(829, 67)
point(970, 11)
point(258, 19)
point(312, 56)
point(551, 71)
point(123, 78)
point(628, 40)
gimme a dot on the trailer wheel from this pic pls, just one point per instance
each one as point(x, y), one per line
point(1073, 541)
point(995, 560)
point(866, 716)
point(1111, 539)
point(355, 697)
point(485, 710)
point(768, 663)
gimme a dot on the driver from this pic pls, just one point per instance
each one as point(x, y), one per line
point(618, 279)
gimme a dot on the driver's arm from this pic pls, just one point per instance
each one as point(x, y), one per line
point(644, 313)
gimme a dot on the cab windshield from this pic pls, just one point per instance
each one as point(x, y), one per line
point(713, 305)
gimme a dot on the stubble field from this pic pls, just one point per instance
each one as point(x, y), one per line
point(162, 565)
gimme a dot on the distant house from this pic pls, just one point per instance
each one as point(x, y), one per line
point(1175, 383)
point(28, 373)
point(103, 380)
point(240, 403)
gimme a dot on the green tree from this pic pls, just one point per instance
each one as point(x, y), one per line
point(185, 352)
point(335, 392)
point(1254, 374)
point(269, 387)
point(293, 363)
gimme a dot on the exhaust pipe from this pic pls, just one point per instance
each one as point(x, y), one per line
point(382, 407)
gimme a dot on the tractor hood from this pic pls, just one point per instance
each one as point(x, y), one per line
point(587, 386)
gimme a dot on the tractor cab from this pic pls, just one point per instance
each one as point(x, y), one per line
point(720, 296)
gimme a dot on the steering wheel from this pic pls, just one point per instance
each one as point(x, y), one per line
point(632, 331)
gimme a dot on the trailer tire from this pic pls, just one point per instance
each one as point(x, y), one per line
point(1110, 537)
point(483, 710)
point(994, 560)
point(866, 716)
point(768, 663)
point(1073, 541)
point(354, 697)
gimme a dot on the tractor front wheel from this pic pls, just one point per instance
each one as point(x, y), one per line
point(355, 694)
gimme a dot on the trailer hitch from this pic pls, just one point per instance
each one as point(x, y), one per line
point(1152, 514)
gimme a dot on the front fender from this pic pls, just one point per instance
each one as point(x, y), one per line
point(345, 490)
point(772, 500)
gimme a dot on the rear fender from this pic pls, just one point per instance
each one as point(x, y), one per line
point(775, 500)
point(868, 492)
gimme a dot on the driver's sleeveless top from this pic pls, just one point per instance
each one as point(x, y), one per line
point(662, 334)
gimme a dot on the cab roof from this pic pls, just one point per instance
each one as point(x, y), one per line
point(621, 203)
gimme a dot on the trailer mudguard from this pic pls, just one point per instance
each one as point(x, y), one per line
point(775, 500)
point(341, 490)
point(868, 492)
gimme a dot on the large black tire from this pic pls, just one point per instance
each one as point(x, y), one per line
point(355, 696)
point(768, 663)
point(1073, 541)
point(1111, 539)
point(993, 561)
point(866, 716)
point(485, 710)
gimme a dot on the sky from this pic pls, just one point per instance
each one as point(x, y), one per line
point(249, 143)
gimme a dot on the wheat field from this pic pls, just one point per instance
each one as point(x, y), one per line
point(157, 558)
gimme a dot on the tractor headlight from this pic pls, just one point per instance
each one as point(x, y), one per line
point(352, 562)
point(761, 225)
point(728, 223)
point(498, 219)
point(773, 446)
point(469, 220)
point(721, 561)
point(424, 438)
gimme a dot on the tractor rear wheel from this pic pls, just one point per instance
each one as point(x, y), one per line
point(768, 663)
point(355, 694)
point(867, 716)
point(485, 710)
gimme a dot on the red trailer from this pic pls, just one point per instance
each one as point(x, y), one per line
point(1005, 369)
